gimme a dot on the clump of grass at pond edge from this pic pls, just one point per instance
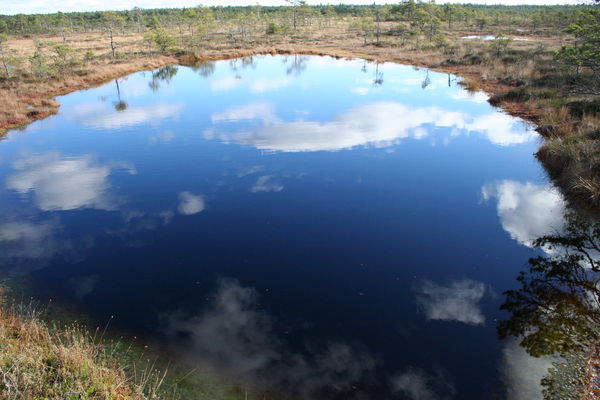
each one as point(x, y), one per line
point(40, 361)
point(50, 349)
point(573, 163)
point(518, 95)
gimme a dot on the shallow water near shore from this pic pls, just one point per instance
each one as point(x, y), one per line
point(306, 226)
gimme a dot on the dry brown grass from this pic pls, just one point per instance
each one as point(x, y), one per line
point(23, 98)
point(30, 99)
point(559, 123)
point(571, 155)
point(42, 362)
point(574, 165)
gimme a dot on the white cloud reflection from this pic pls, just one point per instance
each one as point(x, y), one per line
point(261, 111)
point(359, 90)
point(234, 338)
point(266, 183)
point(376, 124)
point(190, 203)
point(99, 115)
point(225, 83)
point(527, 210)
point(500, 129)
point(417, 384)
point(65, 183)
point(475, 97)
point(163, 137)
point(29, 240)
point(267, 84)
point(456, 302)
point(253, 169)
point(83, 285)
point(522, 374)
point(28, 244)
point(257, 85)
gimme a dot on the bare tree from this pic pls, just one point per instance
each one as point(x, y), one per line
point(3, 39)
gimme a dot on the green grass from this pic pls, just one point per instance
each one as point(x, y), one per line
point(38, 361)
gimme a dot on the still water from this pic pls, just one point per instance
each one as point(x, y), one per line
point(312, 227)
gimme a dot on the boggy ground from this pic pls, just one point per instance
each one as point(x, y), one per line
point(26, 99)
point(523, 79)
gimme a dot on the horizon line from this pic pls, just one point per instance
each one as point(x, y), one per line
point(573, 3)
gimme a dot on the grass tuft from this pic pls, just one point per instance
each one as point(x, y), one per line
point(39, 361)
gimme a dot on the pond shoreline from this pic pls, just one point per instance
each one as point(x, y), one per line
point(59, 331)
point(185, 59)
point(37, 102)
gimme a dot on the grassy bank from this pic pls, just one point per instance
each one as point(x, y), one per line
point(47, 353)
point(40, 361)
point(28, 93)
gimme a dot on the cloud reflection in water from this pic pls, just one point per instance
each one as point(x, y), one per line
point(417, 384)
point(527, 210)
point(29, 244)
point(190, 203)
point(522, 373)
point(377, 124)
point(30, 240)
point(100, 115)
point(266, 183)
point(65, 183)
point(456, 302)
point(233, 337)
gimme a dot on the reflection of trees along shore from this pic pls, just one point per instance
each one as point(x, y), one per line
point(556, 311)
point(164, 74)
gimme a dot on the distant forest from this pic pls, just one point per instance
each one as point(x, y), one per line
point(297, 13)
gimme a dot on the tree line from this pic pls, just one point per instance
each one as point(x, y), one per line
point(294, 14)
point(418, 23)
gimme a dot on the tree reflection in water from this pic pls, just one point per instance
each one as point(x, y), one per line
point(164, 74)
point(120, 105)
point(556, 310)
point(297, 64)
point(205, 68)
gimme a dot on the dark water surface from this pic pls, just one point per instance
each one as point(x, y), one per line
point(318, 227)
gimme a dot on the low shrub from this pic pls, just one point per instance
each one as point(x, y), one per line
point(582, 107)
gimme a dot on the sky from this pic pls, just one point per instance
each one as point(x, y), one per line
point(49, 6)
